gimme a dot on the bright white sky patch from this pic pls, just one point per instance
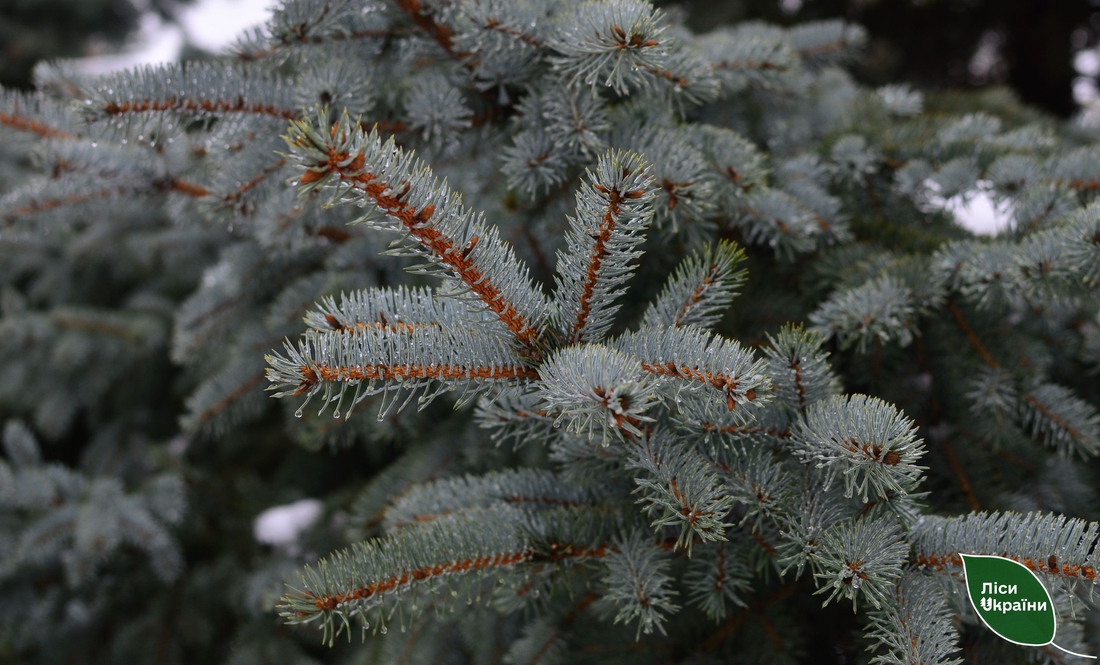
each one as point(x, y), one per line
point(980, 213)
point(976, 210)
point(216, 24)
point(154, 43)
point(209, 24)
point(281, 525)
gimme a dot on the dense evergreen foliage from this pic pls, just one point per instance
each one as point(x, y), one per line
point(586, 338)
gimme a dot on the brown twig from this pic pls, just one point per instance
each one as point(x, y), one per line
point(734, 622)
point(971, 336)
point(960, 475)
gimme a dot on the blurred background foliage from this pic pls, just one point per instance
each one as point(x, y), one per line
point(34, 30)
point(1029, 45)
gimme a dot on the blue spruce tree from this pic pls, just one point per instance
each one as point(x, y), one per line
point(596, 341)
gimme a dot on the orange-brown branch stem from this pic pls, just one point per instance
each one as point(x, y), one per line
point(697, 295)
point(719, 381)
point(312, 376)
point(1050, 566)
point(960, 475)
point(458, 259)
point(29, 125)
point(238, 105)
point(558, 553)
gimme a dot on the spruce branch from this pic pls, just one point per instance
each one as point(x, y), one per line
point(799, 367)
point(517, 415)
point(815, 509)
point(1056, 546)
point(429, 214)
point(526, 489)
point(597, 390)
point(503, 45)
point(495, 17)
point(575, 120)
point(680, 488)
point(1060, 419)
point(613, 211)
point(691, 359)
point(775, 218)
point(866, 440)
point(419, 464)
point(430, 558)
point(37, 116)
point(639, 584)
point(700, 290)
point(715, 578)
point(402, 309)
point(1080, 240)
point(355, 581)
point(684, 201)
point(226, 399)
point(611, 43)
point(65, 518)
point(746, 56)
point(300, 23)
point(410, 359)
point(737, 166)
point(686, 79)
point(742, 429)
point(19, 205)
point(759, 482)
point(879, 311)
point(536, 161)
point(191, 89)
point(822, 43)
point(424, 18)
point(20, 446)
point(917, 627)
point(860, 558)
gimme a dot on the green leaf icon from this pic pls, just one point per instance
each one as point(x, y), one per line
point(1010, 599)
